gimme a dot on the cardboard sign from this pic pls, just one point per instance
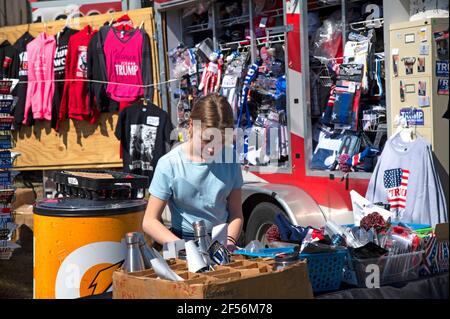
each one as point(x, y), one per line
point(413, 116)
point(442, 68)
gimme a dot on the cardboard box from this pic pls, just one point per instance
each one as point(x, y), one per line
point(241, 279)
point(23, 196)
point(23, 215)
point(441, 232)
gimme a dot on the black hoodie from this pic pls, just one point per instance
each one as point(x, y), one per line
point(62, 42)
point(20, 71)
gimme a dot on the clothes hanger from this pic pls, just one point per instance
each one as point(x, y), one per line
point(404, 130)
point(142, 24)
point(124, 23)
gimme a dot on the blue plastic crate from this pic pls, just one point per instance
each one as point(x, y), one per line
point(413, 226)
point(325, 269)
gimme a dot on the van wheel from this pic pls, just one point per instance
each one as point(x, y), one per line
point(261, 218)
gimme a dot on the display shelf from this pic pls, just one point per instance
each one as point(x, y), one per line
point(272, 39)
point(198, 28)
point(229, 22)
point(314, 5)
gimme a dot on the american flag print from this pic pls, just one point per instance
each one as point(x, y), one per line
point(396, 185)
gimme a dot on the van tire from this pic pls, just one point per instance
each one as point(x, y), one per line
point(261, 218)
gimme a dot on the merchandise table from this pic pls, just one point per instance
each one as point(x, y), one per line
point(434, 287)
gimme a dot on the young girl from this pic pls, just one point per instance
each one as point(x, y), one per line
point(195, 187)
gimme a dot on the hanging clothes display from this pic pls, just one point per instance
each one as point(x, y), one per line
point(20, 71)
point(41, 86)
point(74, 102)
point(405, 177)
point(144, 132)
point(62, 43)
point(97, 72)
point(6, 58)
point(128, 65)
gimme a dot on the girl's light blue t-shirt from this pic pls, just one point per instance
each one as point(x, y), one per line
point(195, 191)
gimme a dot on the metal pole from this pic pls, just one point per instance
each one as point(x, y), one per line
point(162, 61)
point(344, 22)
point(214, 26)
point(252, 32)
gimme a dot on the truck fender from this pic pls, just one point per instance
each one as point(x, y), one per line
point(299, 207)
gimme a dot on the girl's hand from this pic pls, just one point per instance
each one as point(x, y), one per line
point(231, 246)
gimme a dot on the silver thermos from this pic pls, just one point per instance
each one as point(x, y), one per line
point(134, 261)
point(146, 251)
point(203, 240)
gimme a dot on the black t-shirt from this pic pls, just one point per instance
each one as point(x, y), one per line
point(144, 132)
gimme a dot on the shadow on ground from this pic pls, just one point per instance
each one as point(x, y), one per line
point(16, 274)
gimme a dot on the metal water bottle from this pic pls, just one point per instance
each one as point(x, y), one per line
point(146, 252)
point(134, 261)
point(202, 238)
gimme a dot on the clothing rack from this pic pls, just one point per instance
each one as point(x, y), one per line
point(78, 144)
point(367, 24)
point(271, 39)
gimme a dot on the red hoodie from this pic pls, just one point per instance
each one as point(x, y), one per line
point(74, 102)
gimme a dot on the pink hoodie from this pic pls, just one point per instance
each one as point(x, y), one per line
point(40, 53)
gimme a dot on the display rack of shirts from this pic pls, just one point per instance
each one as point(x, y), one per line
point(128, 65)
point(20, 71)
point(74, 102)
point(62, 43)
point(144, 132)
point(41, 86)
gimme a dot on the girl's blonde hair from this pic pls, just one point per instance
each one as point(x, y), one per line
point(213, 111)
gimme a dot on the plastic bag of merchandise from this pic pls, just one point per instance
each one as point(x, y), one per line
point(327, 41)
point(198, 8)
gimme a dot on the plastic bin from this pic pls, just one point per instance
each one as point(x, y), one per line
point(325, 269)
point(392, 269)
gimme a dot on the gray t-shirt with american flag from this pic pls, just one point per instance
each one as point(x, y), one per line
point(406, 178)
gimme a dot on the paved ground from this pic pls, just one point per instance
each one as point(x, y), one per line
point(16, 274)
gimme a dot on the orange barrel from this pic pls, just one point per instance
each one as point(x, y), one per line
point(78, 244)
